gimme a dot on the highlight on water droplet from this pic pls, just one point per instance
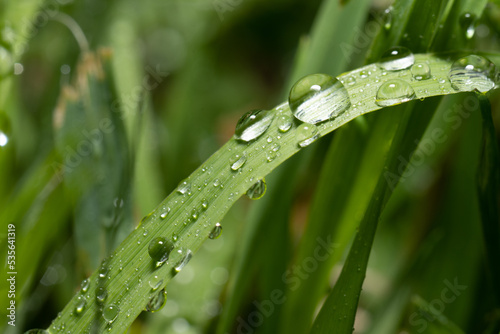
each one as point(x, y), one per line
point(110, 313)
point(216, 231)
point(81, 301)
point(186, 256)
point(318, 97)
point(396, 59)
point(253, 124)
point(238, 161)
point(307, 134)
point(472, 73)
point(421, 71)
point(157, 302)
point(257, 190)
point(467, 22)
point(159, 250)
point(394, 92)
point(284, 123)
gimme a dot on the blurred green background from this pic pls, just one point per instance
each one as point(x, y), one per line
point(177, 76)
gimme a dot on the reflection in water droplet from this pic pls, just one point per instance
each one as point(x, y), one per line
point(394, 92)
point(307, 134)
point(253, 124)
point(159, 249)
point(80, 304)
point(421, 71)
point(238, 161)
point(284, 123)
point(473, 73)
point(317, 98)
point(257, 190)
point(397, 58)
point(110, 313)
point(216, 231)
point(468, 24)
point(157, 302)
point(187, 254)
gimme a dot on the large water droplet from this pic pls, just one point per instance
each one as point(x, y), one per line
point(253, 124)
point(318, 97)
point(80, 304)
point(216, 231)
point(397, 58)
point(184, 187)
point(284, 123)
point(100, 295)
point(186, 256)
point(394, 92)
point(6, 62)
point(157, 302)
point(421, 71)
point(257, 190)
point(159, 249)
point(85, 285)
point(238, 161)
point(468, 23)
point(473, 73)
point(110, 313)
point(307, 134)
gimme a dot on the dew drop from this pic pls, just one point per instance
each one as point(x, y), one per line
point(387, 18)
point(184, 187)
point(216, 231)
point(307, 134)
point(473, 73)
point(159, 249)
point(270, 156)
point(468, 23)
point(155, 282)
point(397, 58)
point(204, 205)
point(100, 295)
point(257, 190)
point(238, 161)
point(187, 254)
point(175, 237)
point(394, 92)
point(284, 123)
point(421, 71)
point(85, 285)
point(318, 97)
point(253, 124)
point(165, 213)
point(216, 183)
point(81, 301)
point(157, 302)
point(110, 313)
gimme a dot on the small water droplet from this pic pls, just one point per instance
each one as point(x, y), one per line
point(175, 237)
point(85, 285)
point(104, 269)
point(204, 205)
point(155, 282)
point(194, 214)
point(270, 156)
point(187, 254)
point(468, 23)
point(364, 74)
point(165, 213)
point(110, 313)
point(421, 71)
point(100, 295)
point(216, 182)
point(318, 97)
point(394, 92)
point(397, 58)
point(387, 18)
point(307, 134)
point(253, 124)
point(184, 187)
point(157, 302)
point(81, 301)
point(284, 123)
point(159, 249)
point(238, 161)
point(257, 190)
point(473, 73)
point(216, 231)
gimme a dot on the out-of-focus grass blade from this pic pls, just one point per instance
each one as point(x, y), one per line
point(433, 322)
point(488, 184)
point(94, 159)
